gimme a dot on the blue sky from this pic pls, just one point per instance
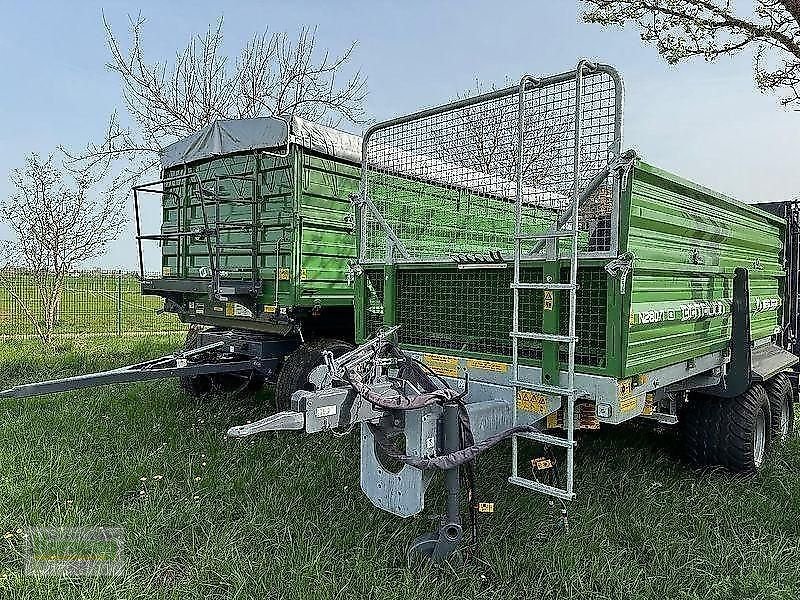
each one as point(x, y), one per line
point(705, 122)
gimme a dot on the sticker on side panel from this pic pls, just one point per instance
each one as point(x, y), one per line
point(532, 402)
point(283, 274)
point(548, 300)
point(442, 365)
point(232, 309)
point(487, 365)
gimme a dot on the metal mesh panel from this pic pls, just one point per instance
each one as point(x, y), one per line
point(444, 181)
point(470, 311)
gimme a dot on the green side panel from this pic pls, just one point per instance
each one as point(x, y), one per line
point(327, 230)
point(468, 312)
point(270, 180)
point(687, 242)
point(437, 221)
point(304, 215)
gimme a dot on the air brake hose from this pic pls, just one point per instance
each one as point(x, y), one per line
point(399, 402)
point(446, 461)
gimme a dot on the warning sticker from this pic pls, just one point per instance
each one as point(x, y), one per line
point(283, 274)
point(303, 275)
point(487, 365)
point(532, 402)
point(628, 404)
point(442, 365)
point(548, 300)
point(232, 309)
point(627, 400)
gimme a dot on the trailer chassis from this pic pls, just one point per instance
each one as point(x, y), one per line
point(217, 352)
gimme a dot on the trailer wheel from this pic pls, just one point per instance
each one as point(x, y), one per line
point(298, 365)
point(199, 386)
point(734, 433)
point(781, 404)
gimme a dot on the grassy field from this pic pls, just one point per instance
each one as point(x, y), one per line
point(93, 302)
point(282, 516)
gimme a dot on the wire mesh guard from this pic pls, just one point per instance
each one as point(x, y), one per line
point(444, 181)
point(463, 311)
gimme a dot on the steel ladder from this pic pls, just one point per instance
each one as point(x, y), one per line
point(551, 238)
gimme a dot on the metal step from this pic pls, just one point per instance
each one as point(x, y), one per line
point(552, 390)
point(547, 235)
point(545, 337)
point(233, 226)
point(543, 286)
point(541, 487)
point(173, 236)
point(545, 438)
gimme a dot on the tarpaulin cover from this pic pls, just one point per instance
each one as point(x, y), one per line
point(230, 136)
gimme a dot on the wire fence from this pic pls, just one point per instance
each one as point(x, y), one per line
point(93, 303)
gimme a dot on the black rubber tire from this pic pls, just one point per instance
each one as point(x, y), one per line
point(298, 365)
point(229, 384)
point(781, 394)
point(722, 432)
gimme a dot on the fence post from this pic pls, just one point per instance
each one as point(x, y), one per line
point(119, 303)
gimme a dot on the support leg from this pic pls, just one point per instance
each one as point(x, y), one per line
point(439, 545)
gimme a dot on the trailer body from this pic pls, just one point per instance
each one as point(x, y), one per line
point(272, 224)
point(671, 307)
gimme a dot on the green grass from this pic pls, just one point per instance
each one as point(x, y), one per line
point(282, 516)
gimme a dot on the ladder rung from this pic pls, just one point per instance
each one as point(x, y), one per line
point(553, 390)
point(172, 236)
point(547, 235)
point(233, 227)
point(543, 286)
point(545, 337)
point(541, 487)
point(544, 438)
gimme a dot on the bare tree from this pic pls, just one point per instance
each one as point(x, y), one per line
point(483, 137)
point(682, 29)
point(57, 224)
point(272, 75)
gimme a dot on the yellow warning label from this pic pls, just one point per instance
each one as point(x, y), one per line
point(632, 319)
point(230, 310)
point(625, 395)
point(532, 402)
point(548, 300)
point(283, 274)
point(628, 404)
point(486, 507)
point(553, 421)
point(166, 270)
point(541, 464)
point(442, 365)
point(487, 365)
point(303, 275)
point(269, 309)
point(648, 404)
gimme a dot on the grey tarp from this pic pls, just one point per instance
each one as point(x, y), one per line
point(229, 136)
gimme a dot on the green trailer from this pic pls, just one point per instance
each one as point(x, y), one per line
point(515, 275)
point(257, 240)
point(553, 282)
